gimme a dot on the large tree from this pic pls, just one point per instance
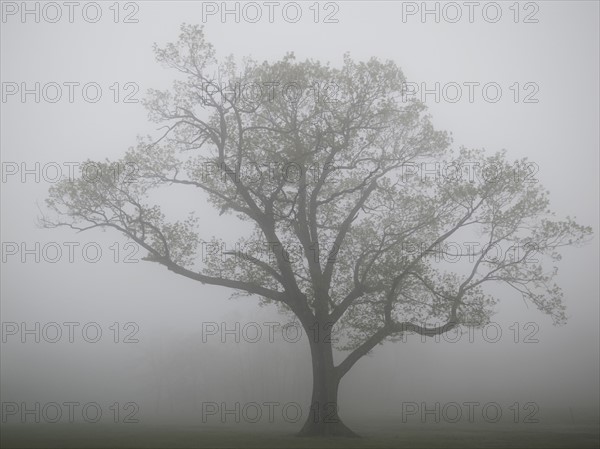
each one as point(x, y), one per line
point(345, 229)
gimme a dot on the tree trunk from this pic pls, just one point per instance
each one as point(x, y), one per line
point(323, 419)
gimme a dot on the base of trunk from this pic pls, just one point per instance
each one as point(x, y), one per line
point(331, 429)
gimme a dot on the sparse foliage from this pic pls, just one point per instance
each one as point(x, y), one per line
point(348, 241)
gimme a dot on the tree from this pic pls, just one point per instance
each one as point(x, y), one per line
point(343, 184)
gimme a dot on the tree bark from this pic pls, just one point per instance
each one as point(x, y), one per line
point(323, 418)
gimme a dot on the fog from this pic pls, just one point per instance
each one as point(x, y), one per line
point(169, 349)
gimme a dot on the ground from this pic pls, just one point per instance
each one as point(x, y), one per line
point(376, 434)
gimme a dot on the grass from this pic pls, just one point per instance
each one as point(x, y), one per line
point(376, 434)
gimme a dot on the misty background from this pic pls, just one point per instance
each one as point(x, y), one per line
point(175, 367)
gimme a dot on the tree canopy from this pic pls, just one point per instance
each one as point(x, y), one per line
point(328, 165)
